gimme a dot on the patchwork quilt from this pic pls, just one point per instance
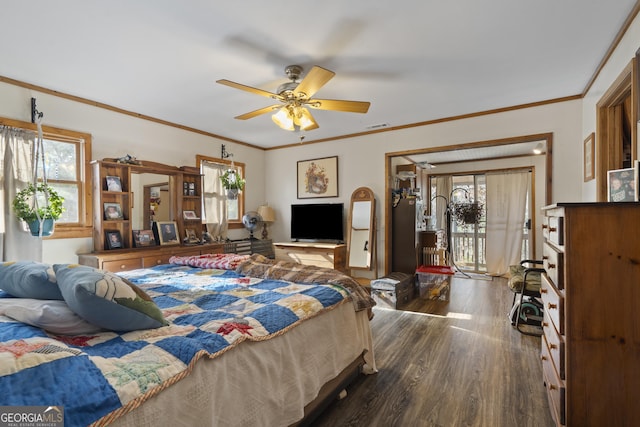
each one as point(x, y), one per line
point(99, 377)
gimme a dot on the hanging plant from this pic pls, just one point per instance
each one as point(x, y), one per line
point(25, 209)
point(466, 212)
point(232, 182)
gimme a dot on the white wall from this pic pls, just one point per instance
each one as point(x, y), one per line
point(115, 135)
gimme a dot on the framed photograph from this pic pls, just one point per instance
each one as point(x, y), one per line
point(143, 238)
point(189, 215)
point(112, 211)
point(113, 239)
point(589, 157)
point(318, 178)
point(192, 189)
point(167, 232)
point(622, 184)
point(113, 183)
point(191, 236)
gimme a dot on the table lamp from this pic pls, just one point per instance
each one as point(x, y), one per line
point(268, 215)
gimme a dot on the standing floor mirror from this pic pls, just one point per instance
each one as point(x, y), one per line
point(361, 249)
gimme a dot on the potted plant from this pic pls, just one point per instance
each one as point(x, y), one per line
point(25, 209)
point(233, 183)
point(467, 212)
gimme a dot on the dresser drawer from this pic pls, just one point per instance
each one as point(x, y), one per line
point(554, 265)
point(122, 265)
point(553, 303)
point(555, 386)
point(150, 261)
point(555, 345)
point(553, 229)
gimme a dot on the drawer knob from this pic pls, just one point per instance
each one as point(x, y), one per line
point(158, 262)
point(122, 266)
point(552, 306)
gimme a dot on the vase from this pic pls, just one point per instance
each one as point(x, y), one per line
point(232, 193)
point(47, 227)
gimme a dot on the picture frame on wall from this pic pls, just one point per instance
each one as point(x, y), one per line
point(166, 232)
point(589, 156)
point(113, 239)
point(622, 185)
point(318, 178)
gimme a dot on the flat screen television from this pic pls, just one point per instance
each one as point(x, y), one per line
point(318, 222)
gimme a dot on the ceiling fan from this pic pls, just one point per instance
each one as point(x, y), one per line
point(296, 96)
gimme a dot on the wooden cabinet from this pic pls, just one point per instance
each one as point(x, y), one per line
point(122, 260)
point(591, 343)
point(110, 197)
point(190, 201)
point(319, 254)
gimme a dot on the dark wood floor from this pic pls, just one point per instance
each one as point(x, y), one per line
point(456, 363)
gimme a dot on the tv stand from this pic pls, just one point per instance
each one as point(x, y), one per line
point(330, 255)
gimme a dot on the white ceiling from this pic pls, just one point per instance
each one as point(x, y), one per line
point(414, 60)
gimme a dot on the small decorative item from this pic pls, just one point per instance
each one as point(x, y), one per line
point(25, 208)
point(128, 159)
point(113, 238)
point(185, 188)
point(622, 185)
point(189, 215)
point(192, 189)
point(113, 183)
point(589, 155)
point(318, 178)
point(167, 232)
point(143, 238)
point(233, 183)
point(112, 211)
point(466, 212)
point(191, 236)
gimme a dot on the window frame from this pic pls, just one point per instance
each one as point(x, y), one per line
point(232, 224)
point(84, 226)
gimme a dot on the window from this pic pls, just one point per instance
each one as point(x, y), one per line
point(214, 197)
point(66, 155)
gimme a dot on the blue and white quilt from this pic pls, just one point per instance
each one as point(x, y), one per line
point(98, 377)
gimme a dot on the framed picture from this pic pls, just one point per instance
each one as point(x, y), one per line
point(622, 184)
point(143, 238)
point(318, 178)
point(191, 236)
point(167, 232)
point(189, 215)
point(589, 157)
point(112, 211)
point(113, 239)
point(113, 183)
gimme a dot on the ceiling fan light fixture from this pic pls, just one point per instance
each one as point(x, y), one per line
point(303, 118)
point(283, 118)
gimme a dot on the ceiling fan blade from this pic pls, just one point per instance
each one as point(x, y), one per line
point(339, 105)
point(248, 88)
point(314, 80)
point(255, 113)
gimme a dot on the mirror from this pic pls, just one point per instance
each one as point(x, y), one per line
point(361, 238)
point(152, 199)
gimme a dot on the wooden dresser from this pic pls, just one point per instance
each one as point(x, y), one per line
point(321, 254)
point(127, 259)
point(591, 344)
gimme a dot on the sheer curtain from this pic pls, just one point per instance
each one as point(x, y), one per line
point(16, 150)
point(443, 188)
point(214, 199)
point(506, 205)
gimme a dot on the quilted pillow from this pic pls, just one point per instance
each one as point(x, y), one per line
point(53, 316)
point(107, 300)
point(28, 279)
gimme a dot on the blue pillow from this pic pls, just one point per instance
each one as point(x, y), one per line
point(29, 279)
point(107, 300)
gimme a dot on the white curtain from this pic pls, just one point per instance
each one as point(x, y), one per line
point(16, 150)
point(443, 188)
point(506, 205)
point(214, 199)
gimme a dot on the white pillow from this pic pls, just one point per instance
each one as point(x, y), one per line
point(51, 315)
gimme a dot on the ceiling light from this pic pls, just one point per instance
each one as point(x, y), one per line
point(539, 148)
point(283, 119)
point(303, 118)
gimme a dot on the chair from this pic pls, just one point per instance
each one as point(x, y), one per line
point(526, 308)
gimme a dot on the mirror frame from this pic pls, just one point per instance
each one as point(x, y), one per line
point(363, 194)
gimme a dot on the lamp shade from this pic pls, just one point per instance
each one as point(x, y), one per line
point(267, 213)
point(283, 119)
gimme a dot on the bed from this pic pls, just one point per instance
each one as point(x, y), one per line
point(237, 340)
